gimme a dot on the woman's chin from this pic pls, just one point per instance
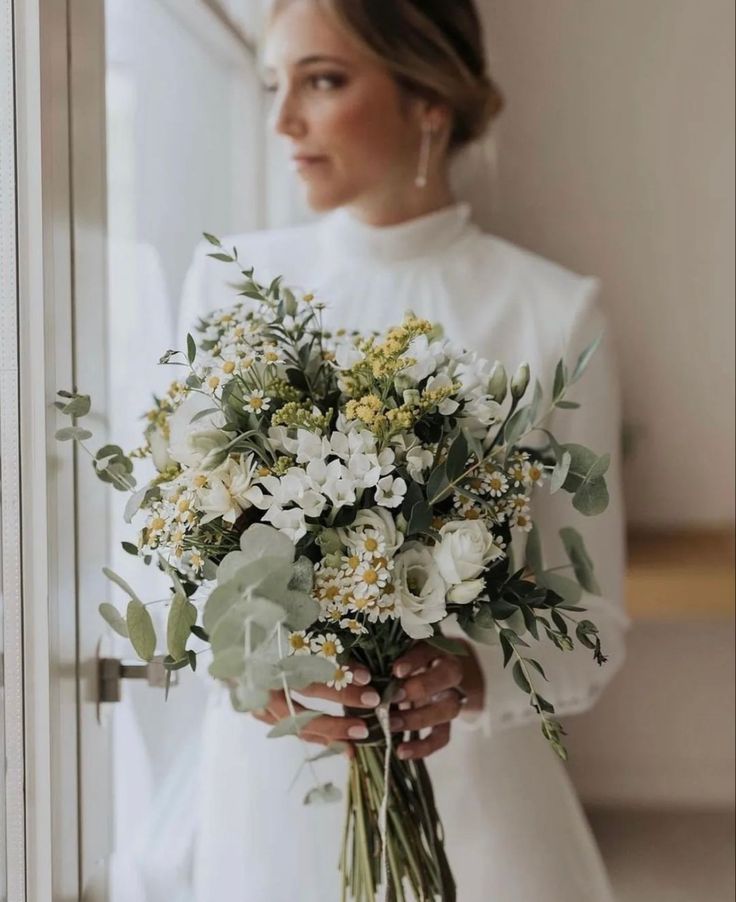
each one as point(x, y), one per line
point(322, 198)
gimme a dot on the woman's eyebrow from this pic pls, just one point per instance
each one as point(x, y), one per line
point(321, 58)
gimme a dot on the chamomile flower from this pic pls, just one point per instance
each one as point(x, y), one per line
point(328, 646)
point(342, 678)
point(497, 484)
point(300, 643)
point(522, 521)
point(535, 474)
point(354, 626)
point(519, 503)
point(256, 402)
point(369, 543)
point(370, 579)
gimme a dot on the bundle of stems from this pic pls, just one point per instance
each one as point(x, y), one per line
point(417, 865)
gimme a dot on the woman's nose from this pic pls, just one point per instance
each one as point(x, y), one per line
point(285, 117)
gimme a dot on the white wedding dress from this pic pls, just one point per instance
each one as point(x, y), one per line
point(515, 828)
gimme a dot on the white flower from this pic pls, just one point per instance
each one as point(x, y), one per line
point(328, 646)
point(184, 446)
point(428, 356)
point(291, 522)
point(299, 643)
point(465, 547)
point(390, 492)
point(256, 402)
point(421, 590)
point(369, 579)
point(378, 520)
point(441, 383)
point(369, 543)
point(162, 460)
point(418, 460)
point(311, 447)
point(354, 626)
point(497, 484)
point(464, 593)
point(343, 677)
point(347, 355)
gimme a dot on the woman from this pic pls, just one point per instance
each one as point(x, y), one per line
point(374, 100)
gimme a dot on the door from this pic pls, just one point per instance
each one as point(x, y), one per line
point(165, 143)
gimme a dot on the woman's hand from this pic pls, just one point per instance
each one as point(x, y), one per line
point(328, 728)
point(437, 687)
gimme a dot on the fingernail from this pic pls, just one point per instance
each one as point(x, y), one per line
point(361, 676)
point(400, 696)
point(404, 706)
point(436, 662)
point(370, 699)
point(396, 723)
point(404, 752)
point(360, 732)
point(402, 670)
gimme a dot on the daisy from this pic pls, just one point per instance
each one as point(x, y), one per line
point(299, 643)
point(497, 484)
point(370, 543)
point(328, 646)
point(342, 677)
point(370, 579)
point(535, 474)
point(354, 626)
point(520, 503)
point(334, 612)
point(522, 521)
point(256, 402)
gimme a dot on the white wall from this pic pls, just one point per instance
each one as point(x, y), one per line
point(616, 158)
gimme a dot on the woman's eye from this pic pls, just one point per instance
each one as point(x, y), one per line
point(326, 82)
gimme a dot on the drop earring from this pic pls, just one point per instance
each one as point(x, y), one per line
point(425, 153)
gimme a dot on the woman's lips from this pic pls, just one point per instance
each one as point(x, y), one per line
point(306, 162)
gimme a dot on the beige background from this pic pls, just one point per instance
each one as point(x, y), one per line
point(615, 157)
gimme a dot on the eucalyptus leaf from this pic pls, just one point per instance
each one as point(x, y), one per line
point(292, 726)
point(140, 629)
point(228, 664)
point(591, 498)
point(325, 794)
point(559, 476)
point(580, 559)
point(457, 458)
point(134, 504)
point(182, 617)
point(191, 349)
point(301, 671)
point(119, 581)
point(114, 618)
point(73, 433)
point(534, 559)
point(566, 588)
point(302, 579)
point(560, 383)
point(585, 358)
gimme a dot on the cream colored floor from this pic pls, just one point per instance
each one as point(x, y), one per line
point(667, 856)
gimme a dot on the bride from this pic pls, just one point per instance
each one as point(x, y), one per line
point(374, 100)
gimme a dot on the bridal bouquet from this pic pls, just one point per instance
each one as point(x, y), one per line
point(322, 500)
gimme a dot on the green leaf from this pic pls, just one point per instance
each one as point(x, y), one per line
point(420, 520)
point(129, 548)
point(141, 631)
point(223, 258)
point(566, 588)
point(580, 559)
point(537, 666)
point(78, 406)
point(114, 618)
point(228, 664)
point(182, 617)
point(474, 444)
point(212, 239)
point(518, 425)
point(134, 504)
point(302, 579)
point(292, 726)
point(449, 645)
point(585, 358)
point(457, 458)
point(73, 434)
point(332, 750)
point(191, 349)
point(325, 794)
point(520, 677)
point(559, 476)
point(437, 484)
point(591, 498)
point(560, 381)
point(534, 558)
point(567, 405)
point(303, 670)
point(119, 581)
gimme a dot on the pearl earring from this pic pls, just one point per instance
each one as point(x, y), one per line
point(425, 152)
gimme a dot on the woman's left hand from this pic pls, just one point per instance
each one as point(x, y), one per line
point(437, 687)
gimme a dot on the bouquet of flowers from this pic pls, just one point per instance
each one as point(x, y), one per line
point(322, 500)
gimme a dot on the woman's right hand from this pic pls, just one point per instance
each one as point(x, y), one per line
point(328, 728)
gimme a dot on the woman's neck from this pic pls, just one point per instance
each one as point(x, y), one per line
point(385, 208)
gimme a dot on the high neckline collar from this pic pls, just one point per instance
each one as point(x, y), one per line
point(422, 236)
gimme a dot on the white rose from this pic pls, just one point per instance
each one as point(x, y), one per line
point(464, 593)
point(421, 590)
point(190, 443)
point(162, 460)
point(465, 548)
point(379, 520)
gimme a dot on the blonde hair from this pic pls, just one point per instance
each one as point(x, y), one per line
point(433, 48)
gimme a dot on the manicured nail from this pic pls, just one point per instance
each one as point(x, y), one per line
point(362, 676)
point(404, 752)
point(402, 670)
point(396, 723)
point(370, 699)
point(360, 732)
point(404, 706)
point(436, 662)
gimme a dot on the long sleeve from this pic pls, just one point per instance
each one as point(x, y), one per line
point(575, 679)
